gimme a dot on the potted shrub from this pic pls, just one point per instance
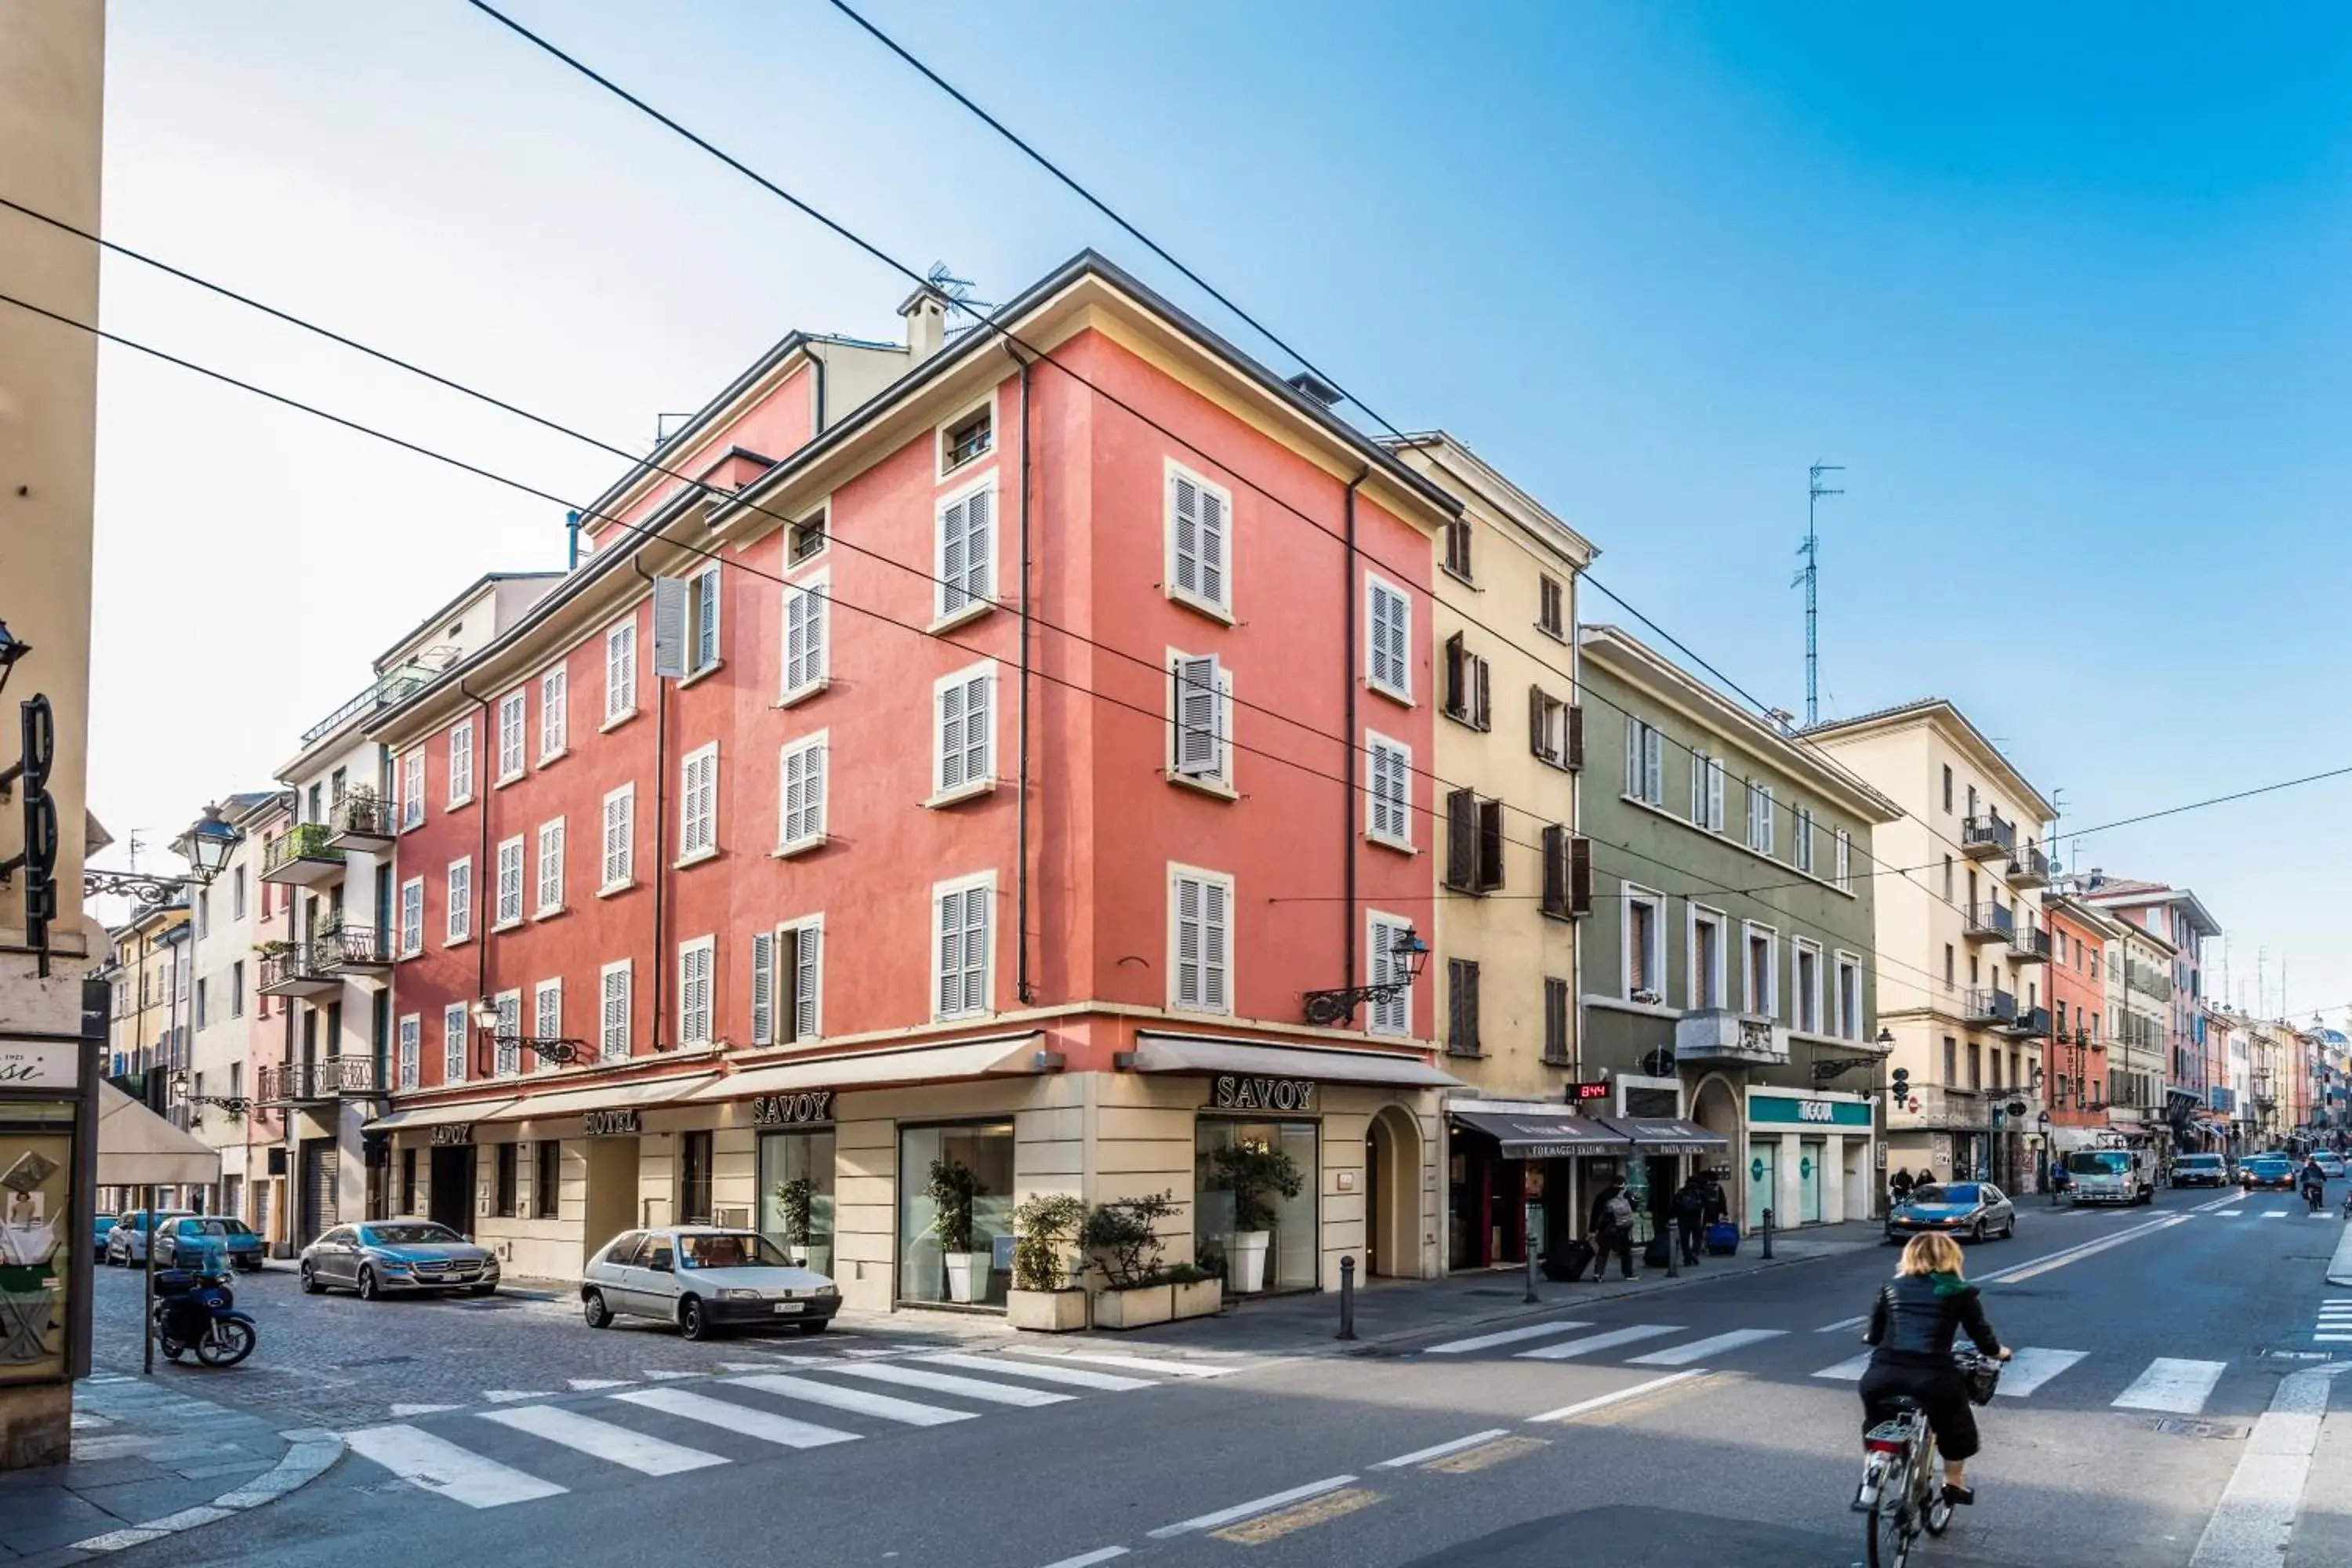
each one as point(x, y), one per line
point(797, 1200)
point(1123, 1238)
point(1046, 1293)
point(1253, 1175)
point(1195, 1291)
point(952, 1189)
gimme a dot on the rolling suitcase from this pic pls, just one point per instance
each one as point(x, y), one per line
point(1722, 1239)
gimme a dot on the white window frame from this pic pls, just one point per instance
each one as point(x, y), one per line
point(970, 592)
point(1215, 603)
point(983, 883)
point(810, 753)
point(1748, 931)
point(507, 911)
point(1215, 944)
point(1848, 1028)
point(1697, 994)
point(1655, 964)
point(1391, 1019)
point(626, 797)
point(621, 655)
point(1698, 776)
point(1218, 779)
point(1805, 1010)
point(969, 783)
point(548, 882)
point(546, 1021)
point(1645, 747)
point(514, 735)
point(461, 763)
point(612, 1040)
point(456, 1041)
point(1801, 849)
point(1844, 867)
point(944, 470)
point(696, 1032)
point(412, 790)
point(506, 1061)
point(1760, 817)
point(807, 614)
point(458, 912)
point(409, 1048)
point(1377, 804)
point(1399, 687)
point(704, 620)
point(805, 999)
point(554, 714)
point(411, 917)
point(698, 804)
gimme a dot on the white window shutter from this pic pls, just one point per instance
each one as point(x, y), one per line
point(547, 1006)
point(975, 948)
point(813, 792)
point(1199, 749)
point(950, 980)
point(950, 736)
point(979, 550)
point(977, 727)
point(706, 626)
point(669, 628)
point(1216, 952)
point(951, 558)
point(1184, 520)
point(1213, 548)
point(763, 988)
point(621, 671)
point(614, 1041)
point(1654, 766)
point(807, 960)
point(1188, 942)
point(552, 718)
point(1714, 794)
point(1633, 728)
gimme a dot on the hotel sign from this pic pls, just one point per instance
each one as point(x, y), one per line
point(1234, 1091)
point(610, 1124)
point(453, 1132)
point(793, 1110)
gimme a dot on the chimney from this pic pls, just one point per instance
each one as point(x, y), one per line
point(926, 310)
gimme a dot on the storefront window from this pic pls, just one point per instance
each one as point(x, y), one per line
point(1291, 1263)
point(796, 1190)
point(973, 1158)
point(37, 1225)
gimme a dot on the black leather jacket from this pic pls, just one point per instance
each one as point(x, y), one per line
point(1911, 1323)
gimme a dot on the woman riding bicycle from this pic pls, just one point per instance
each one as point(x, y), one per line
point(1913, 1322)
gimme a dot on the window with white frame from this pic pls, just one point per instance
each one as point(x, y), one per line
point(513, 725)
point(1845, 861)
point(554, 715)
point(620, 838)
point(801, 797)
point(1760, 971)
point(1805, 962)
point(613, 1027)
point(460, 911)
point(968, 437)
point(507, 1042)
point(1201, 716)
point(807, 660)
point(461, 763)
point(620, 671)
point(1201, 936)
point(1641, 942)
point(1387, 963)
point(963, 752)
point(550, 867)
point(1706, 957)
point(1199, 543)
point(805, 540)
point(1698, 773)
point(787, 969)
point(411, 917)
point(1388, 638)
point(1849, 996)
point(697, 803)
point(509, 908)
point(1801, 824)
point(1645, 754)
point(454, 1027)
point(702, 621)
point(1388, 797)
point(1760, 817)
point(967, 552)
point(411, 1038)
point(694, 968)
point(960, 948)
point(412, 790)
point(546, 1016)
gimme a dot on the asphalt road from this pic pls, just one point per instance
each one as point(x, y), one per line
point(1685, 1427)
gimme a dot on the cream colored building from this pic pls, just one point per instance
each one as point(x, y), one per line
point(2140, 1002)
point(1962, 948)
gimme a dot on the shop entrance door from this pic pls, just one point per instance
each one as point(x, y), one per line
point(318, 1207)
point(1763, 1179)
point(611, 1205)
point(449, 1197)
point(1810, 1154)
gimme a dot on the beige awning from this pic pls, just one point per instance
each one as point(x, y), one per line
point(1001, 1056)
point(438, 1115)
point(1214, 1054)
point(637, 1096)
point(137, 1148)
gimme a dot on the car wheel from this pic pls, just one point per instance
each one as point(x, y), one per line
point(479, 1289)
point(2009, 1231)
point(1978, 1235)
point(367, 1291)
point(691, 1321)
point(592, 1308)
point(817, 1327)
point(311, 1286)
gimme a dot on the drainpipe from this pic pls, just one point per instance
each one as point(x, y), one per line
point(571, 541)
point(661, 815)
point(483, 914)
point(1025, 986)
point(816, 417)
point(1351, 807)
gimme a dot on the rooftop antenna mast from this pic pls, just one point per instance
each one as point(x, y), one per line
point(1812, 578)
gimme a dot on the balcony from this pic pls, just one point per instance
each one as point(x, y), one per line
point(362, 820)
point(296, 971)
point(2028, 944)
point(2028, 1024)
point(1987, 1005)
point(1718, 1035)
point(2031, 868)
point(1982, 838)
point(352, 951)
point(1991, 922)
point(302, 857)
point(315, 1083)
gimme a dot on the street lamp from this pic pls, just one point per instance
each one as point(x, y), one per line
point(1408, 953)
point(546, 1048)
point(207, 844)
point(235, 1105)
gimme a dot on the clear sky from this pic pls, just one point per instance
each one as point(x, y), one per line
point(2062, 288)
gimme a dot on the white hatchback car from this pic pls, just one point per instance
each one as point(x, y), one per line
point(704, 1278)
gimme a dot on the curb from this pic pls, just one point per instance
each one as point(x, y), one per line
point(2339, 1267)
point(314, 1450)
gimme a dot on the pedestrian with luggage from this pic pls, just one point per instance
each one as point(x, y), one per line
point(1611, 1224)
point(1900, 1185)
point(1690, 1216)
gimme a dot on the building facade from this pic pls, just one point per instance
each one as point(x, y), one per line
point(223, 923)
point(2139, 1007)
point(2080, 1081)
point(2193, 1075)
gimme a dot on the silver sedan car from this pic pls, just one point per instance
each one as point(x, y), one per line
point(387, 1255)
point(703, 1278)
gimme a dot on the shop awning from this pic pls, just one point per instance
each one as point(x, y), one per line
point(1214, 1053)
point(611, 1097)
point(1543, 1135)
point(1667, 1135)
point(438, 1115)
point(1004, 1056)
point(137, 1148)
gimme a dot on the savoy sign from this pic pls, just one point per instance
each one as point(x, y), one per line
point(793, 1110)
point(1233, 1091)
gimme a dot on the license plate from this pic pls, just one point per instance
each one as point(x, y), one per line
point(782, 1306)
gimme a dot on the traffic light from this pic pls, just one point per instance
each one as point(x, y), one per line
point(1902, 1084)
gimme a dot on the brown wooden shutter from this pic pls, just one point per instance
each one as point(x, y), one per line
point(1575, 758)
point(1470, 1007)
point(1555, 1019)
point(1456, 700)
point(1490, 845)
point(1461, 840)
point(1536, 701)
point(1484, 713)
point(1555, 870)
point(1580, 875)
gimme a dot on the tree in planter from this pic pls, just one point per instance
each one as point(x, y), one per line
point(797, 1200)
point(952, 1189)
point(1251, 1174)
point(1044, 1225)
point(1123, 1237)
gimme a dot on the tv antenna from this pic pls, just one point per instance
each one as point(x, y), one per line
point(1811, 579)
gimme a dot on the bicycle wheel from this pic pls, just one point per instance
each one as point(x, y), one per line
point(1889, 1526)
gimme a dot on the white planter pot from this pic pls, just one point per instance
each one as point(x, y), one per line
point(1047, 1312)
point(820, 1258)
point(1135, 1309)
point(967, 1275)
point(1245, 1260)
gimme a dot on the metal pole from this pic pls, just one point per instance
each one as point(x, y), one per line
point(1768, 1234)
point(1673, 1239)
point(1347, 1298)
point(147, 1309)
point(1528, 1226)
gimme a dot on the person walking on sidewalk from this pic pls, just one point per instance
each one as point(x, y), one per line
point(1690, 1216)
point(1612, 1223)
point(1900, 1185)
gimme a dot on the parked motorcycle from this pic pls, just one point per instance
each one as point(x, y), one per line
point(197, 1311)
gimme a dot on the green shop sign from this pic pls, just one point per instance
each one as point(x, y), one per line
point(1787, 1110)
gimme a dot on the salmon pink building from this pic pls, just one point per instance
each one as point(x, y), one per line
point(1045, 736)
point(2079, 1084)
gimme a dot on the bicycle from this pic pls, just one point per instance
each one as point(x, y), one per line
point(1901, 1491)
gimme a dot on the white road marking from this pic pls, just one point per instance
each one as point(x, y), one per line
point(2030, 1366)
point(402, 1411)
point(1074, 1376)
point(764, 1425)
point(1134, 1362)
point(2180, 1387)
point(1842, 1323)
point(2228, 1213)
point(1439, 1450)
point(1848, 1370)
point(2274, 1214)
point(2333, 1338)
point(854, 1400)
point(1592, 1342)
point(1089, 1560)
point(1505, 1337)
point(1254, 1505)
point(948, 1382)
point(602, 1439)
point(1602, 1401)
point(664, 1375)
point(2041, 1265)
point(1683, 1355)
point(516, 1396)
point(591, 1384)
point(433, 1465)
point(2253, 1522)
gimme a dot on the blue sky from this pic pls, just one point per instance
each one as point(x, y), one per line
point(2063, 292)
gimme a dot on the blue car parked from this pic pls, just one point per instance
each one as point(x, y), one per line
point(214, 1238)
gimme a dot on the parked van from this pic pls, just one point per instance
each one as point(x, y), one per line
point(2110, 1176)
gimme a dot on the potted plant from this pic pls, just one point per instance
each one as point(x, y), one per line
point(1123, 1238)
point(1195, 1291)
point(796, 1199)
point(952, 1189)
point(1046, 1293)
point(1252, 1174)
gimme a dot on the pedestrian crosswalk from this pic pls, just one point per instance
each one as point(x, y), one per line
point(2334, 1321)
point(534, 1448)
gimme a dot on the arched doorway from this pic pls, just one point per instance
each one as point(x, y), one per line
point(1716, 1107)
point(1393, 1195)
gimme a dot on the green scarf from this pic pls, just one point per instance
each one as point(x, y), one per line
point(1947, 1284)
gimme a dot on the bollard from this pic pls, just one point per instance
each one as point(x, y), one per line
point(1347, 1298)
point(1768, 1234)
point(1528, 1224)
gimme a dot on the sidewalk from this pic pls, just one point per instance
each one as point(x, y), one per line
point(149, 1461)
